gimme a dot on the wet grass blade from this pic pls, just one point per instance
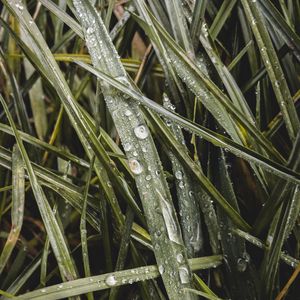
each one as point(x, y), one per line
point(190, 218)
point(105, 281)
point(17, 209)
point(155, 196)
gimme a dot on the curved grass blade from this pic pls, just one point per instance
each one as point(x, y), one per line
point(105, 281)
point(56, 236)
point(142, 157)
point(216, 139)
point(17, 210)
point(68, 191)
point(273, 67)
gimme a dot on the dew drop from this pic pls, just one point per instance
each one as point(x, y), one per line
point(179, 257)
point(181, 184)
point(127, 147)
point(135, 166)
point(128, 113)
point(90, 30)
point(184, 275)
point(141, 132)
point(178, 175)
point(111, 280)
point(161, 269)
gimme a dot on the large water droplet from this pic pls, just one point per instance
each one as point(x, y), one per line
point(184, 275)
point(141, 132)
point(135, 166)
point(111, 280)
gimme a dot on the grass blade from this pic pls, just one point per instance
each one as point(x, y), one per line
point(17, 210)
point(155, 196)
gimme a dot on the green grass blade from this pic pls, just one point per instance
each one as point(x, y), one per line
point(197, 20)
point(154, 193)
point(190, 218)
point(105, 281)
point(17, 210)
point(221, 17)
point(83, 230)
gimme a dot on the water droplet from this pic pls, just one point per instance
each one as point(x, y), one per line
point(127, 147)
point(141, 132)
point(43, 290)
point(128, 113)
point(161, 269)
point(179, 257)
point(90, 30)
point(60, 286)
point(181, 184)
point(148, 177)
point(241, 265)
point(135, 166)
point(111, 280)
point(178, 175)
point(184, 275)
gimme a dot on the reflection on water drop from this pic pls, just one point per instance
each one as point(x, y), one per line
point(135, 166)
point(111, 280)
point(141, 132)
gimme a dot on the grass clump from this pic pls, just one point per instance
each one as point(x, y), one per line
point(149, 149)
